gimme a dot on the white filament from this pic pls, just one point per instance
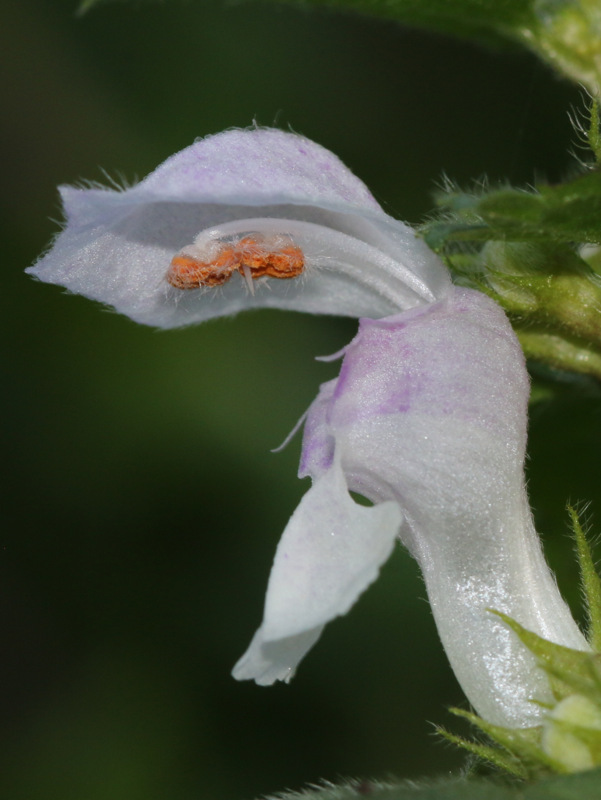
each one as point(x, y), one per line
point(330, 250)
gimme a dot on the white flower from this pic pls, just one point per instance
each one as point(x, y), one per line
point(427, 418)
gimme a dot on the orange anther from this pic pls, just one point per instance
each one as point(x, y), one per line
point(276, 257)
point(188, 272)
point(270, 257)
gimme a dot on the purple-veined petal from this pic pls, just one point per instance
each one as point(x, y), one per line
point(318, 441)
point(117, 246)
point(331, 551)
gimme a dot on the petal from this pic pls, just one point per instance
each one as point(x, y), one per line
point(268, 662)
point(331, 551)
point(117, 246)
point(259, 167)
point(318, 442)
point(430, 410)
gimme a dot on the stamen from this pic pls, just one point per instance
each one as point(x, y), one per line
point(285, 248)
point(190, 270)
point(212, 261)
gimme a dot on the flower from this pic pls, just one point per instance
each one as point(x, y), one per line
point(427, 418)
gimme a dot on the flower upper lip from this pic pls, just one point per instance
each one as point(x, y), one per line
point(116, 246)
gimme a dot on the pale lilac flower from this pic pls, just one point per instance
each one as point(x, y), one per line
point(427, 418)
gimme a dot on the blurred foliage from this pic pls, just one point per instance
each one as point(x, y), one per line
point(565, 33)
point(488, 20)
point(141, 503)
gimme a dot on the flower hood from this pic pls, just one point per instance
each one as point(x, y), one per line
point(117, 246)
point(427, 418)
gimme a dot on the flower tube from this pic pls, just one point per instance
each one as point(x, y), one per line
point(427, 418)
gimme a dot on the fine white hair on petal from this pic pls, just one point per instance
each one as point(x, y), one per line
point(331, 551)
point(117, 246)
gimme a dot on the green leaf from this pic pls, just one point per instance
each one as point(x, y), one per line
point(484, 20)
point(571, 671)
point(522, 744)
point(527, 250)
point(589, 129)
point(565, 33)
point(591, 583)
point(570, 212)
point(581, 786)
point(566, 212)
point(453, 789)
point(493, 755)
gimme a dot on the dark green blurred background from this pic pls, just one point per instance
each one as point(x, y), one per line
point(141, 503)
